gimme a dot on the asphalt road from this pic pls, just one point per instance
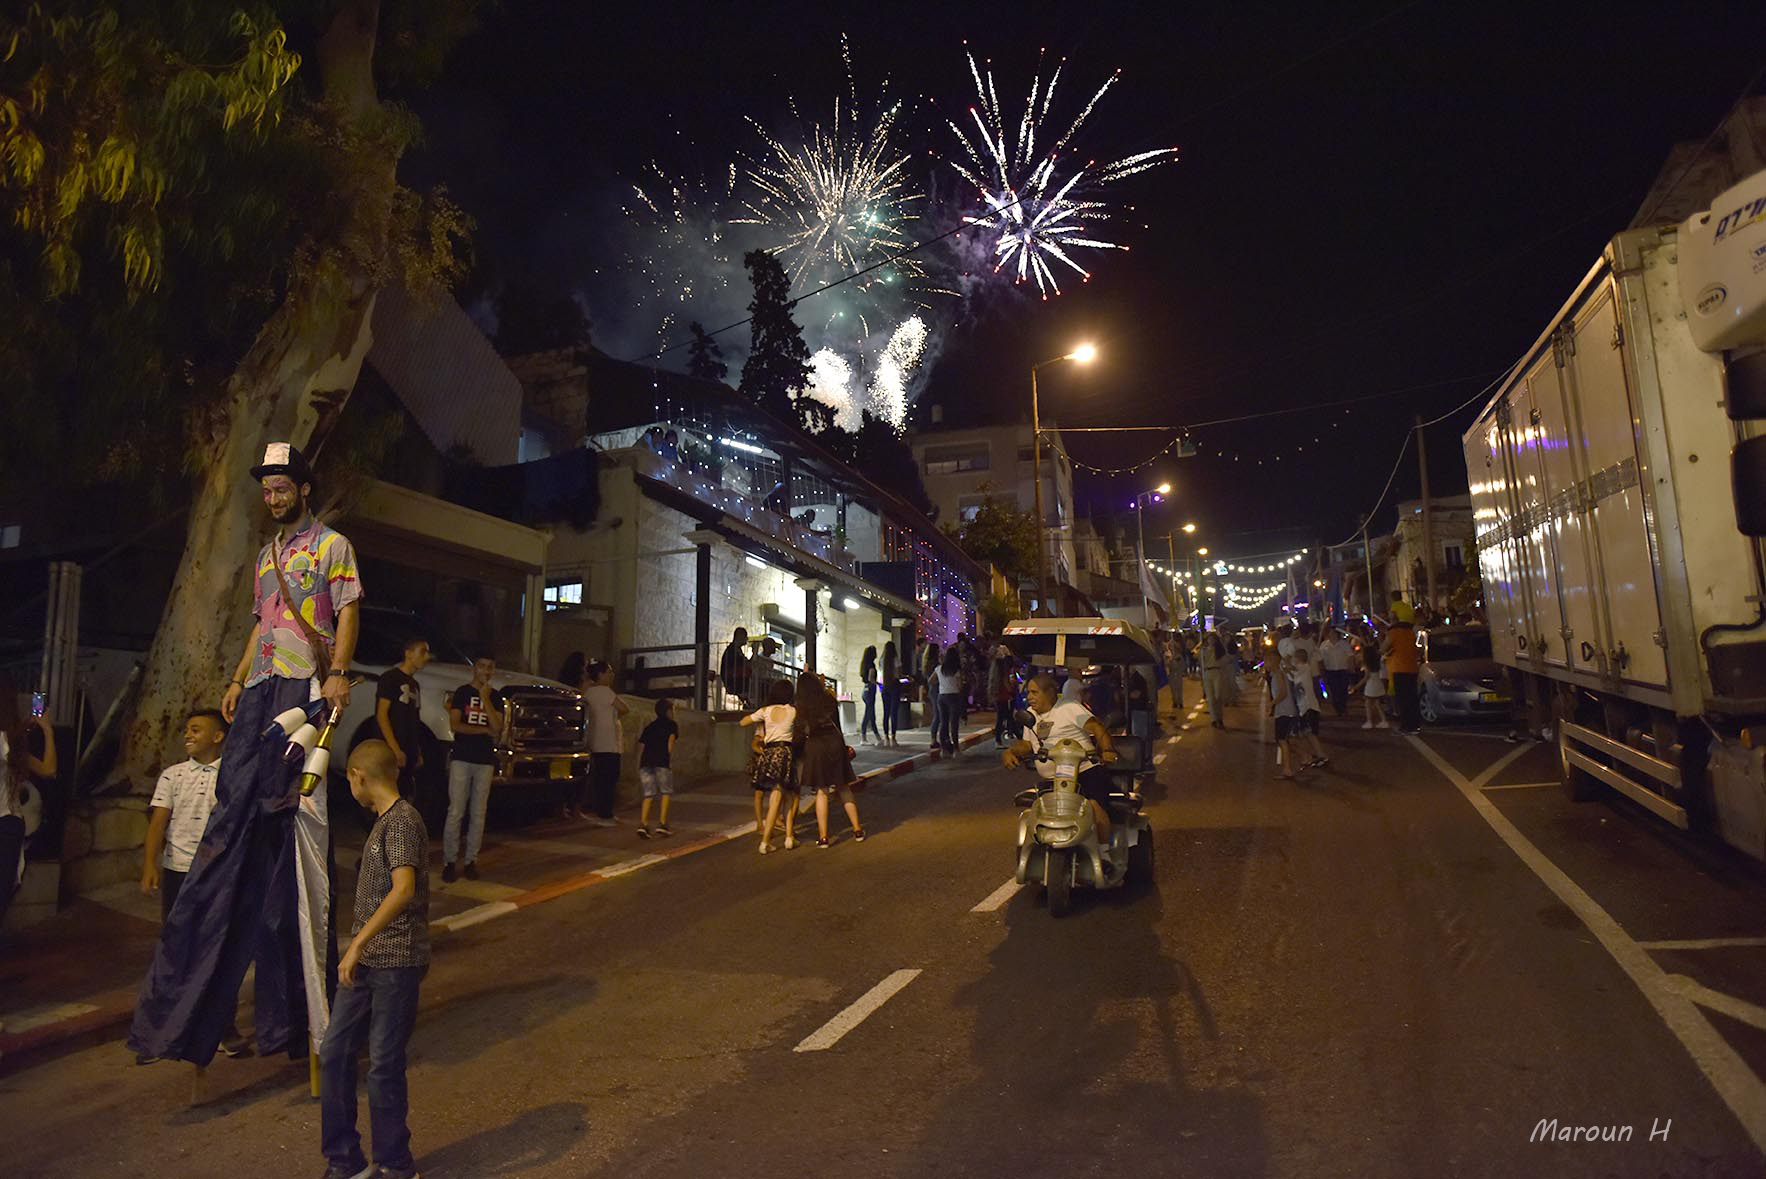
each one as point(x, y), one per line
point(1354, 975)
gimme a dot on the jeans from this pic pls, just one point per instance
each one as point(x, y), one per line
point(944, 730)
point(869, 724)
point(469, 789)
point(381, 1009)
point(169, 884)
point(891, 697)
point(1002, 722)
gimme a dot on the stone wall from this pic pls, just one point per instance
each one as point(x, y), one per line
point(101, 843)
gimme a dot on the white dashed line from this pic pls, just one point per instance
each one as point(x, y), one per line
point(998, 897)
point(1174, 741)
point(625, 866)
point(1158, 759)
point(829, 1034)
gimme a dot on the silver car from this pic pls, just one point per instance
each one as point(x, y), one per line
point(1457, 678)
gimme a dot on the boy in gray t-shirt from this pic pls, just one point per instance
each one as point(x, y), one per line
point(377, 979)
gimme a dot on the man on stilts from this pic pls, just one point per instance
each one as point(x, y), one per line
point(259, 888)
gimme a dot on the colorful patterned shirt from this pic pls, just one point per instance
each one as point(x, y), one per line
point(320, 567)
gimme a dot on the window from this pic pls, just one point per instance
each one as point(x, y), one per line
point(968, 506)
point(1455, 555)
point(9, 535)
point(1026, 454)
point(954, 457)
point(563, 595)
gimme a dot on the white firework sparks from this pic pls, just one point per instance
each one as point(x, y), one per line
point(682, 252)
point(889, 384)
point(830, 382)
point(838, 201)
point(1036, 214)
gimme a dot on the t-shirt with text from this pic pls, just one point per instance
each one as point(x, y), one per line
point(476, 748)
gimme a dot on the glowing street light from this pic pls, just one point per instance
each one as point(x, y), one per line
point(1190, 529)
point(1084, 354)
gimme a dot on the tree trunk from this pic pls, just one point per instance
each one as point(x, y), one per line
point(314, 342)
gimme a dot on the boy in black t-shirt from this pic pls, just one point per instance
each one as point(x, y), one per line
point(657, 743)
point(398, 702)
point(475, 711)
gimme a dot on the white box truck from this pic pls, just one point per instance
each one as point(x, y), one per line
point(1618, 482)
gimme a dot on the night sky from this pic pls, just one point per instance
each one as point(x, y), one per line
point(1370, 198)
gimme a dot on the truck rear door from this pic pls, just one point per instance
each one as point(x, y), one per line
point(1538, 420)
point(1606, 423)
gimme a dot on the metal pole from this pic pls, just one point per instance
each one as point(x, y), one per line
point(1042, 563)
point(1422, 462)
point(1140, 555)
point(1367, 554)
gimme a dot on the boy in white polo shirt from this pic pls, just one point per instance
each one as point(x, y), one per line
point(177, 818)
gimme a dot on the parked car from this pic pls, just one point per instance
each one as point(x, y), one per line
point(1457, 676)
point(542, 739)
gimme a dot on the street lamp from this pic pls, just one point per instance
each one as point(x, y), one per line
point(1084, 354)
point(1140, 542)
point(1189, 529)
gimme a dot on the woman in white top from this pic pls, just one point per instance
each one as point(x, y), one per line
point(16, 763)
point(950, 701)
point(771, 769)
point(1372, 684)
point(604, 710)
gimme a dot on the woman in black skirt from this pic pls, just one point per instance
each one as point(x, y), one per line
point(823, 766)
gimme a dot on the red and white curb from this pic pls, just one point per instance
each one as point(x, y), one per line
point(480, 914)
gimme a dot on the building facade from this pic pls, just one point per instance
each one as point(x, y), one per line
point(962, 468)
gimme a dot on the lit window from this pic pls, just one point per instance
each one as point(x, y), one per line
point(10, 534)
point(562, 595)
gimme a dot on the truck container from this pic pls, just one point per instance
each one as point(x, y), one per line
point(1618, 481)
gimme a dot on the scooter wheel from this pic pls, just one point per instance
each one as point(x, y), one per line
point(1060, 886)
point(1140, 859)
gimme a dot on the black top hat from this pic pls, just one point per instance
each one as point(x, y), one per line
point(283, 458)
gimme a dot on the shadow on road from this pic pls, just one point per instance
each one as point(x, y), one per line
point(465, 1024)
point(1078, 1055)
point(533, 1139)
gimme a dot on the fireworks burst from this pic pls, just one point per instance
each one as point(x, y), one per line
point(681, 248)
point(1035, 214)
point(889, 384)
point(830, 382)
point(838, 201)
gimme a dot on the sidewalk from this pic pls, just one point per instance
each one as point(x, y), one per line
point(71, 981)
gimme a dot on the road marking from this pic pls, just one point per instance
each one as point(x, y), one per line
point(1705, 943)
point(1737, 1009)
point(1520, 786)
point(1174, 741)
point(1158, 759)
point(474, 916)
point(1734, 1081)
point(1185, 728)
point(829, 1033)
point(740, 829)
point(998, 897)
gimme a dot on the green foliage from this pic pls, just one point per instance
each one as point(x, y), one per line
point(999, 535)
point(778, 359)
point(998, 609)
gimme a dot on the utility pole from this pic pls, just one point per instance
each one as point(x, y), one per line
point(1367, 554)
point(1422, 462)
point(1042, 560)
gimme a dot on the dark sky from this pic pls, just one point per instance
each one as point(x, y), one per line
point(1370, 197)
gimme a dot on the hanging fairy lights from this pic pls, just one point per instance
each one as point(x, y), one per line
point(1270, 566)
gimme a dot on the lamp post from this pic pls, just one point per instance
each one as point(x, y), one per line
point(1140, 544)
point(1084, 354)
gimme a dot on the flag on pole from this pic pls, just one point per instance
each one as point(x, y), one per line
point(1150, 588)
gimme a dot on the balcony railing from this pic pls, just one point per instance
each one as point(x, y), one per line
point(704, 488)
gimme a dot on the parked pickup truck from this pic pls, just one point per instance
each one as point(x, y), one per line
point(542, 739)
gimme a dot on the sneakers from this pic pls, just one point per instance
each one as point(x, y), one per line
point(1382, 725)
point(790, 842)
point(643, 833)
point(389, 1173)
point(664, 831)
point(823, 843)
point(858, 834)
point(342, 1171)
point(765, 848)
point(1367, 724)
point(471, 870)
point(236, 1046)
point(449, 874)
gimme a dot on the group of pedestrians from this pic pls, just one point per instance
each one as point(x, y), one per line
point(798, 746)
